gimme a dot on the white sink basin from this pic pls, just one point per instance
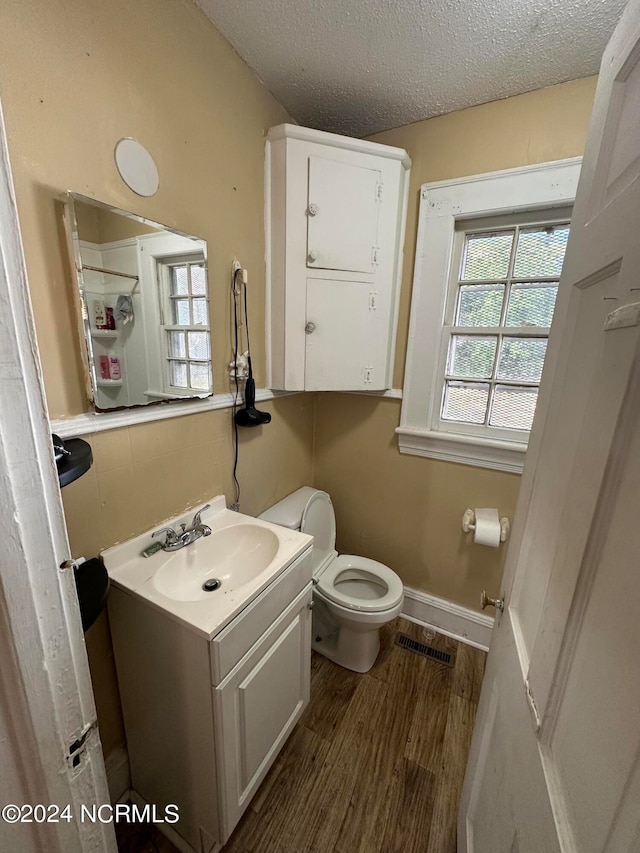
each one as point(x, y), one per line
point(234, 556)
point(245, 554)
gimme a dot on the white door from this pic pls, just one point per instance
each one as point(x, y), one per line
point(555, 757)
point(342, 216)
point(50, 750)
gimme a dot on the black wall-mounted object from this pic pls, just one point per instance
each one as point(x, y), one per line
point(249, 416)
point(73, 458)
point(92, 586)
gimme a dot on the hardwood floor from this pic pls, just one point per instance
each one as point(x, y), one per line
point(376, 763)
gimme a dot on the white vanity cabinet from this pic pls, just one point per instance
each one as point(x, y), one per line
point(205, 717)
point(258, 703)
point(335, 220)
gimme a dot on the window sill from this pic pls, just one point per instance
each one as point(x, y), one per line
point(463, 449)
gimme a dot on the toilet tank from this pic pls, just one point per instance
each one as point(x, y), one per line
point(311, 511)
point(288, 511)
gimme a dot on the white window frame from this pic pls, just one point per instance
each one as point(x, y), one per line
point(442, 205)
point(153, 248)
point(164, 268)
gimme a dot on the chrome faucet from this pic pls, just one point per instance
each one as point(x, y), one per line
point(175, 541)
point(197, 529)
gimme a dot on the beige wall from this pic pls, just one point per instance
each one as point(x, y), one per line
point(538, 127)
point(99, 225)
point(76, 77)
point(406, 510)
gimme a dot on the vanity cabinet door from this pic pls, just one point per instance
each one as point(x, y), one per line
point(257, 706)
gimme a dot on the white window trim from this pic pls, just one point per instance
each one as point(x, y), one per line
point(166, 312)
point(153, 248)
point(442, 204)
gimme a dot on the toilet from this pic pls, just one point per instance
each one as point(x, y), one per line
point(353, 596)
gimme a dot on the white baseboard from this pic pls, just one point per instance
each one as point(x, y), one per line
point(118, 773)
point(453, 620)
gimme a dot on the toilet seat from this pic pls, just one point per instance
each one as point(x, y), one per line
point(363, 569)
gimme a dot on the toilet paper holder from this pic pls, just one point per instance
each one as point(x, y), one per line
point(469, 524)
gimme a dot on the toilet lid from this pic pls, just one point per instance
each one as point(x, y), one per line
point(319, 521)
point(339, 583)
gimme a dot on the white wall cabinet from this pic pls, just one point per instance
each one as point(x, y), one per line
point(335, 219)
point(206, 717)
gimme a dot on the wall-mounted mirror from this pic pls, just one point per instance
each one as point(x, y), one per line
point(143, 305)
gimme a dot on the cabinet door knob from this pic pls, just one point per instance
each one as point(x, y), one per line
point(310, 605)
point(312, 210)
point(310, 327)
point(313, 255)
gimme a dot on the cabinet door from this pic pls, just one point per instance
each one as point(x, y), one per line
point(257, 706)
point(339, 339)
point(342, 216)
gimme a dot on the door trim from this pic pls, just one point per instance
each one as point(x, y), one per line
point(48, 694)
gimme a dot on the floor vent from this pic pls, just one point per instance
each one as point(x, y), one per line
point(424, 649)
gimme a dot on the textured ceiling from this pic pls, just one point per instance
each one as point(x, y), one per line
point(360, 66)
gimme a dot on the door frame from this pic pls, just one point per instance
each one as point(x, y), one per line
point(47, 700)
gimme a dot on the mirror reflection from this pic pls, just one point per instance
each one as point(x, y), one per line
point(144, 305)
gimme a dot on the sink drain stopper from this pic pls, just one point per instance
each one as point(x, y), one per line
point(211, 585)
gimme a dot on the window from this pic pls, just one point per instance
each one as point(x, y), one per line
point(185, 324)
point(488, 262)
point(499, 309)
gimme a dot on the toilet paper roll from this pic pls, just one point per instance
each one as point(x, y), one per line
point(487, 530)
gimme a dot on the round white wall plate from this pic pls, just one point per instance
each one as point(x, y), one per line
point(137, 167)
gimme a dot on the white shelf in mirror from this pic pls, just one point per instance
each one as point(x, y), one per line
point(104, 333)
point(109, 383)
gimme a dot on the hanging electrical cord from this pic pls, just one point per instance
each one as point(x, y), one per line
point(248, 415)
point(234, 295)
point(246, 322)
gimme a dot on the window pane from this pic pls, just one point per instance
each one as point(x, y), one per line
point(531, 304)
point(198, 280)
point(200, 376)
point(179, 285)
point(487, 255)
point(177, 347)
point(540, 252)
point(471, 356)
point(465, 401)
point(181, 314)
point(521, 359)
point(200, 313)
point(513, 408)
point(198, 344)
point(480, 304)
point(178, 373)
